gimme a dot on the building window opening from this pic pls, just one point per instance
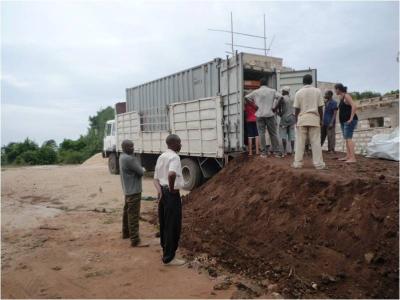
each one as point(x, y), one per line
point(376, 122)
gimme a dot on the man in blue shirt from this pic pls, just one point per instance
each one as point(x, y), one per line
point(329, 122)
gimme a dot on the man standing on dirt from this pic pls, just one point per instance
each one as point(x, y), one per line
point(264, 97)
point(329, 122)
point(131, 180)
point(286, 126)
point(308, 106)
point(168, 180)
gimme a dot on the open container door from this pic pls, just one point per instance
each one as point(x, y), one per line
point(294, 79)
point(231, 91)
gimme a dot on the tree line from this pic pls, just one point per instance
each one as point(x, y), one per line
point(370, 94)
point(68, 151)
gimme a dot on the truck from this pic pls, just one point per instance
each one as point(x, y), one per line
point(203, 105)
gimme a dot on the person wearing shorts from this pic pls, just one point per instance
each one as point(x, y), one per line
point(348, 121)
point(251, 126)
point(285, 110)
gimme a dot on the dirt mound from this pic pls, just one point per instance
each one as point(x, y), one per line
point(316, 233)
point(95, 160)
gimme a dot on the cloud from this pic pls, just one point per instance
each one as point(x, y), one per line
point(14, 82)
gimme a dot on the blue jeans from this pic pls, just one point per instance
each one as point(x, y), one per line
point(348, 129)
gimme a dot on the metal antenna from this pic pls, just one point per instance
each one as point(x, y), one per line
point(265, 39)
point(270, 44)
point(232, 33)
point(232, 44)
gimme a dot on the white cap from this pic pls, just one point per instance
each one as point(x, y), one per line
point(286, 89)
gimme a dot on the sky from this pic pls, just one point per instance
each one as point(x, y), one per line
point(61, 61)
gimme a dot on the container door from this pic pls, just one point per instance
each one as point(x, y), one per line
point(231, 93)
point(199, 125)
point(294, 79)
point(128, 128)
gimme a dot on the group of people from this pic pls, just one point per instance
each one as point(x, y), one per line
point(302, 122)
point(306, 121)
point(168, 181)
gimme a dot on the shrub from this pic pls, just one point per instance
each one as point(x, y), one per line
point(47, 156)
point(71, 157)
point(30, 157)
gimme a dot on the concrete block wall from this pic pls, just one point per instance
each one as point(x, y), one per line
point(361, 137)
point(386, 107)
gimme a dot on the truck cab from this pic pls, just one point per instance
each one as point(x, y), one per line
point(110, 146)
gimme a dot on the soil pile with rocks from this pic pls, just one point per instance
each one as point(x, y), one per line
point(315, 233)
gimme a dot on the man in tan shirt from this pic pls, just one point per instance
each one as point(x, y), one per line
point(308, 104)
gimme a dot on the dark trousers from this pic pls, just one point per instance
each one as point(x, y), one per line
point(170, 219)
point(331, 134)
point(130, 217)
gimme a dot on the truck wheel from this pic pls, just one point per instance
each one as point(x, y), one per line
point(191, 174)
point(113, 163)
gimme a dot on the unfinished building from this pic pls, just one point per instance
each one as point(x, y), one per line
point(375, 115)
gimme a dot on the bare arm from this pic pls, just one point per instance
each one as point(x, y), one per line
point(333, 118)
point(296, 105)
point(296, 113)
point(251, 95)
point(350, 101)
point(321, 113)
point(157, 185)
point(171, 180)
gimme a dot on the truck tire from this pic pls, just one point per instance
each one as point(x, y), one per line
point(113, 163)
point(191, 174)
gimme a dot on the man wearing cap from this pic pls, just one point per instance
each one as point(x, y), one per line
point(285, 110)
point(308, 106)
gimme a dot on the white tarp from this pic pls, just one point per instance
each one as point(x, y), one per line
point(384, 145)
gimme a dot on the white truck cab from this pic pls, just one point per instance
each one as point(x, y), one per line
point(110, 146)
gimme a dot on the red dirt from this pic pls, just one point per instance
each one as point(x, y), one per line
point(336, 228)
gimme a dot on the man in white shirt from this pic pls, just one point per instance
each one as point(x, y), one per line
point(308, 104)
point(264, 97)
point(168, 180)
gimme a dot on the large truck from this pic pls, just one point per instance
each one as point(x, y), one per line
point(203, 105)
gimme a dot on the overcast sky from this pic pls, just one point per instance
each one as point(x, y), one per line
point(63, 60)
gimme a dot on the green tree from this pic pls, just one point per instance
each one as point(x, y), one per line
point(13, 150)
point(395, 92)
point(97, 123)
point(50, 143)
point(47, 155)
point(364, 95)
point(30, 157)
point(72, 152)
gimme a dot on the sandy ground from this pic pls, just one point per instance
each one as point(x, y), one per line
point(61, 238)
